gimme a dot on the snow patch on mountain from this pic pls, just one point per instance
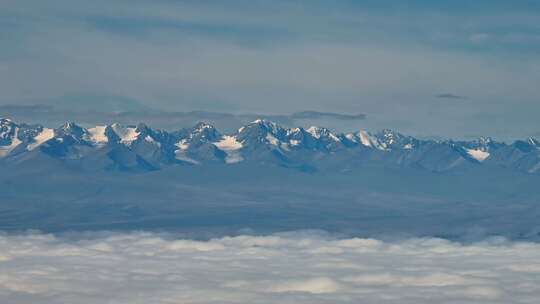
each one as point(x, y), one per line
point(127, 135)
point(151, 140)
point(203, 126)
point(15, 142)
point(351, 137)
point(294, 142)
point(365, 138)
point(97, 135)
point(334, 137)
point(182, 145)
point(315, 131)
point(322, 133)
point(228, 143)
point(272, 139)
point(42, 137)
point(231, 147)
point(534, 142)
point(285, 147)
point(479, 155)
point(181, 155)
point(371, 141)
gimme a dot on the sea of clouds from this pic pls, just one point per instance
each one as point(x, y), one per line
point(299, 267)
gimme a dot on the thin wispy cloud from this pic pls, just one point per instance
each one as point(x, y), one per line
point(450, 96)
point(299, 267)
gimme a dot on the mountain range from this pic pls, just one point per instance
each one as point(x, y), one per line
point(141, 148)
point(265, 178)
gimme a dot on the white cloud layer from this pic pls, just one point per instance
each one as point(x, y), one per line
point(288, 268)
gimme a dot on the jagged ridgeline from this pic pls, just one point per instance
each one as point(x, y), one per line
point(141, 148)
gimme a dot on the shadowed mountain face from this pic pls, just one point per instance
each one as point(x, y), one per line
point(267, 178)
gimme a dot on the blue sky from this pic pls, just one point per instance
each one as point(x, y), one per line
point(443, 67)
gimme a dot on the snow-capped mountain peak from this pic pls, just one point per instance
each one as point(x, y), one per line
point(318, 133)
point(71, 129)
point(260, 141)
point(97, 135)
point(369, 140)
point(125, 135)
point(43, 136)
point(300, 138)
point(534, 142)
point(267, 126)
point(200, 134)
point(7, 130)
point(390, 137)
point(9, 137)
point(204, 131)
point(201, 126)
point(261, 131)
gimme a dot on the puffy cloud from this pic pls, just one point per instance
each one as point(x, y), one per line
point(299, 267)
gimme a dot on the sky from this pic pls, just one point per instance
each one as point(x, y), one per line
point(449, 68)
point(294, 267)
